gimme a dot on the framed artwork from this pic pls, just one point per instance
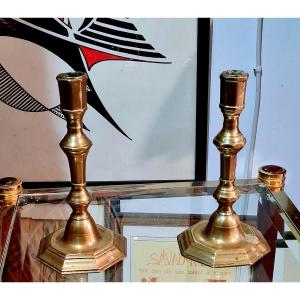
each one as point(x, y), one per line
point(147, 96)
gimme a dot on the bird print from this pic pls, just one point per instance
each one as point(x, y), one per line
point(95, 40)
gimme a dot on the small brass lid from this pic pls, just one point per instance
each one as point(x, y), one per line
point(10, 188)
point(273, 176)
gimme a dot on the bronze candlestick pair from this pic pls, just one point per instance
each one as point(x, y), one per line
point(84, 246)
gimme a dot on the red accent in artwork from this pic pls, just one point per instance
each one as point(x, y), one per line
point(94, 56)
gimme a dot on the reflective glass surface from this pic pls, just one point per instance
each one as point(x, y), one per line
point(151, 216)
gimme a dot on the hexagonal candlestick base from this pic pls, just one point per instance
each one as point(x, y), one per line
point(194, 245)
point(58, 255)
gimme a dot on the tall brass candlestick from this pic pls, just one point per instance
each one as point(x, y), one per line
point(82, 246)
point(224, 241)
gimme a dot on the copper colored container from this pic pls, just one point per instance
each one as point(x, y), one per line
point(10, 188)
point(273, 176)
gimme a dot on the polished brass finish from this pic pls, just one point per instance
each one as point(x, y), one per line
point(224, 241)
point(273, 176)
point(82, 246)
point(10, 188)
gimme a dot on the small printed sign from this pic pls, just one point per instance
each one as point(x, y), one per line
point(161, 261)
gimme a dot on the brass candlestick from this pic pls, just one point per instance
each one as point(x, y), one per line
point(224, 241)
point(82, 246)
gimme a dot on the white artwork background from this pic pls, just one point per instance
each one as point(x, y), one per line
point(153, 103)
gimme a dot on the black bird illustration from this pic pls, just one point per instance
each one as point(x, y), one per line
point(96, 40)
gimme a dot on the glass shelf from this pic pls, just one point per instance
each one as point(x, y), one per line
point(151, 216)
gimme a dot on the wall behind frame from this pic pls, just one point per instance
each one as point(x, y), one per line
point(279, 117)
point(234, 47)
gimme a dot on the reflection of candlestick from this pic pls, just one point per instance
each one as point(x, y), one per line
point(224, 240)
point(83, 246)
